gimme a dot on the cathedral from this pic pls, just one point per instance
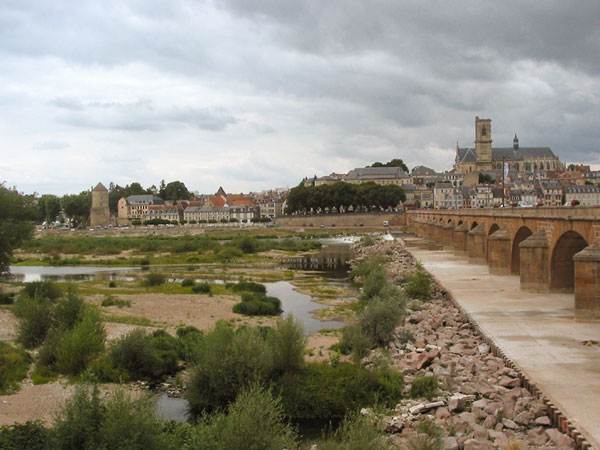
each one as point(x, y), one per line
point(485, 157)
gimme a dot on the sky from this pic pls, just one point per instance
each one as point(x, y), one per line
point(253, 95)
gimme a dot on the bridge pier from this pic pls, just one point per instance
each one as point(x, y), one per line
point(460, 239)
point(535, 262)
point(438, 233)
point(587, 281)
point(448, 235)
point(477, 244)
point(499, 252)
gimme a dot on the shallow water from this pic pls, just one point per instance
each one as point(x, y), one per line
point(28, 274)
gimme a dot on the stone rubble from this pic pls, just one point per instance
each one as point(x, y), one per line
point(481, 403)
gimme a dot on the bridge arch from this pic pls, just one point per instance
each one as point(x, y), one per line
point(522, 234)
point(473, 225)
point(562, 267)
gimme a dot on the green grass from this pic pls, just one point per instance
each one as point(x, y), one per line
point(132, 320)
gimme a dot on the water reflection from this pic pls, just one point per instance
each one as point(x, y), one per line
point(28, 274)
point(331, 259)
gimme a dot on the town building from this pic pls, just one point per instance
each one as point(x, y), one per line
point(586, 195)
point(378, 175)
point(136, 207)
point(485, 157)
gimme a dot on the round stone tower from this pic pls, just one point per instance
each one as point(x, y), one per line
point(100, 213)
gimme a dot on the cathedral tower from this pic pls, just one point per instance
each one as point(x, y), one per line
point(483, 143)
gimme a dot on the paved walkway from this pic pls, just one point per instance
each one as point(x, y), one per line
point(537, 331)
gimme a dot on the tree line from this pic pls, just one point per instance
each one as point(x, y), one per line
point(342, 196)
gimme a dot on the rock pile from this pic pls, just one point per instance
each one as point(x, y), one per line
point(480, 403)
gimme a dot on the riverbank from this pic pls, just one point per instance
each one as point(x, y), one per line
point(482, 402)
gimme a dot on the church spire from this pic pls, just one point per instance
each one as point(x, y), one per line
point(516, 142)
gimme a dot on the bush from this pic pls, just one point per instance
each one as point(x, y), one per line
point(255, 304)
point(121, 421)
point(112, 284)
point(42, 290)
point(36, 320)
point(373, 283)
point(247, 244)
point(379, 319)
point(188, 282)
point(226, 362)
point(247, 286)
point(230, 253)
point(254, 421)
point(323, 391)
point(288, 344)
point(110, 300)
point(79, 346)
point(202, 288)
point(418, 285)
point(188, 340)
point(7, 298)
point(69, 311)
point(356, 432)
point(144, 356)
point(14, 364)
point(25, 436)
point(424, 386)
point(136, 222)
point(145, 262)
point(154, 279)
point(355, 341)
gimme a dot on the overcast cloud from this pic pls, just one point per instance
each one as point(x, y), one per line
point(257, 94)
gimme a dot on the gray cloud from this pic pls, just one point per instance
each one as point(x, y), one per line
point(285, 88)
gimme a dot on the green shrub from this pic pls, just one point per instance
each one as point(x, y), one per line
point(120, 422)
point(379, 319)
point(7, 298)
point(145, 262)
point(136, 222)
point(81, 345)
point(14, 364)
point(36, 320)
point(230, 253)
point(418, 285)
point(424, 386)
point(323, 391)
point(110, 300)
point(367, 241)
point(254, 421)
point(430, 437)
point(356, 432)
point(356, 342)
point(188, 282)
point(288, 344)
point(226, 362)
point(188, 340)
point(247, 244)
point(202, 288)
point(247, 286)
point(134, 354)
point(154, 279)
point(112, 284)
point(25, 436)
point(69, 310)
point(42, 290)
point(255, 304)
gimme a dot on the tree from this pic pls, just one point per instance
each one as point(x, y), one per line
point(77, 207)
point(16, 213)
point(48, 207)
point(175, 190)
point(116, 192)
point(393, 163)
point(485, 178)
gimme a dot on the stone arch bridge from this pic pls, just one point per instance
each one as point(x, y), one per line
point(548, 248)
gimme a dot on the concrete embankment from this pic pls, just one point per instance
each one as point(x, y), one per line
point(538, 332)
